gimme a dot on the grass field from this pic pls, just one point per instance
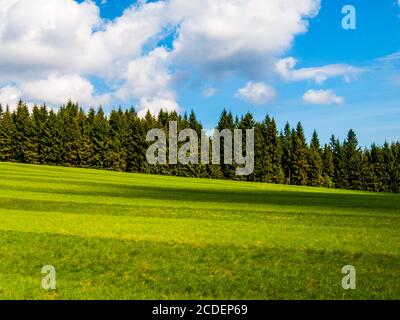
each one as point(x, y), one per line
point(130, 236)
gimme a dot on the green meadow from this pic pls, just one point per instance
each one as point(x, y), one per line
point(131, 236)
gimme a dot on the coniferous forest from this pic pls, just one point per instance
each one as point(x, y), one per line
point(73, 137)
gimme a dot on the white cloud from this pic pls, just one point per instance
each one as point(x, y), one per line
point(209, 92)
point(10, 96)
point(49, 49)
point(37, 36)
point(154, 105)
point(257, 93)
point(57, 89)
point(244, 36)
point(148, 79)
point(322, 97)
point(285, 68)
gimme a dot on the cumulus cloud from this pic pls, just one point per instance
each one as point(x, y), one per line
point(286, 69)
point(257, 93)
point(225, 35)
point(9, 96)
point(49, 49)
point(155, 105)
point(61, 44)
point(57, 89)
point(322, 97)
point(148, 78)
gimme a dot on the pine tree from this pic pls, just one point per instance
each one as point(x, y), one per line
point(136, 144)
point(391, 166)
point(83, 143)
point(353, 157)
point(117, 154)
point(328, 166)
point(287, 159)
point(300, 151)
point(25, 146)
point(226, 122)
point(99, 132)
point(51, 148)
point(7, 134)
point(261, 160)
point(39, 116)
point(272, 153)
point(340, 162)
point(315, 171)
point(368, 179)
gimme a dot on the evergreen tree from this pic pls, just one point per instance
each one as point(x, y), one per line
point(119, 132)
point(246, 122)
point(39, 118)
point(83, 144)
point(287, 159)
point(353, 157)
point(315, 172)
point(99, 132)
point(25, 147)
point(136, 144)
point(299, 160)
point(226, 122)
point(340, 162)
point(272, 153)
point(7, 134)
point(328, 166)
point(368, 180)
point(51, 148)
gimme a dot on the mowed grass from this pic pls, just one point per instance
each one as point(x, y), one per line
point(130, 236)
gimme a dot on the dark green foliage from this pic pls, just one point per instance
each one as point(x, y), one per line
point(269, 153)
point(316, 169)
point(7, 132)
point(73, 137)
point(25, 144)
point(328, 166)
point(299, 159)
point(226, 122)
point(353, 160)
point(287, 146)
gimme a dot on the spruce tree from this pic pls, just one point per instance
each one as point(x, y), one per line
point(99, 132)
point(272, 153)
point(315, 169)
point(25, 146)
point(7, 134)
point(299, 160)
point(353, 157)
point(51, 148)
point(119, 131)
point(226, 122)
point(287, 159)
point(340, 162)
point(328, 166)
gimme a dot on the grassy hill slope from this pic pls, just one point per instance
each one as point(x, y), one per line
point(129, 236)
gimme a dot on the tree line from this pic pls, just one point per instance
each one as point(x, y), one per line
point(73, 137)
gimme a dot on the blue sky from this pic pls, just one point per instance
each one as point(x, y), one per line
point(359, 89)
point(372, 102)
